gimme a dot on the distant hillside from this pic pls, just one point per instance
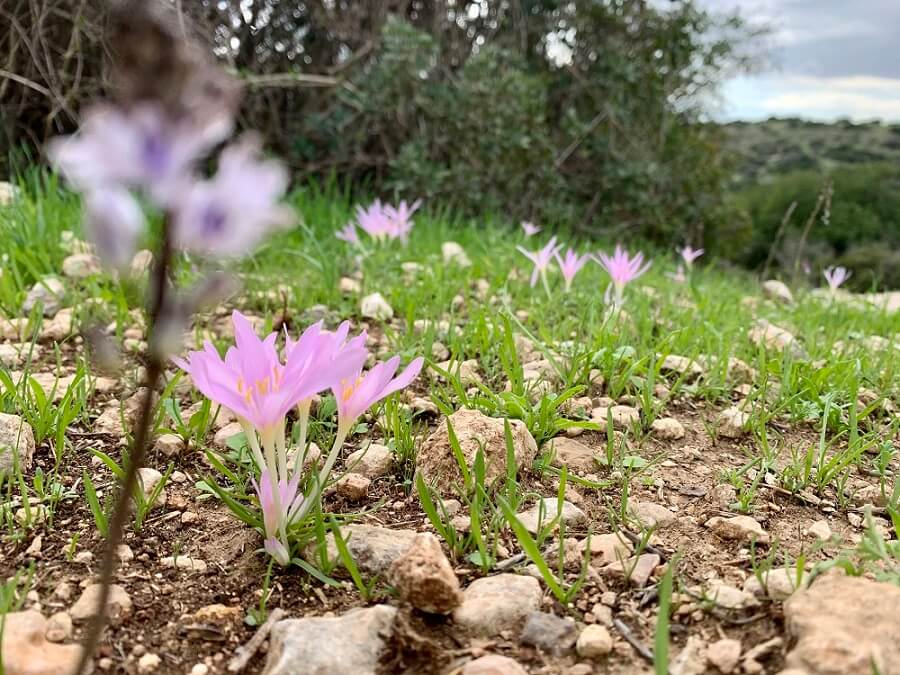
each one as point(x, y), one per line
point(777, 146)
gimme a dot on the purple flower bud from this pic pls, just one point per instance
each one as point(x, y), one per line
point(232, 212)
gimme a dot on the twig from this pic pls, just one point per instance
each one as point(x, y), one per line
point(631, 639)
point(248, 651)
point(636, 540)
point(824, 201)
point(565, 154)
point(136, 457)
point(785, 219)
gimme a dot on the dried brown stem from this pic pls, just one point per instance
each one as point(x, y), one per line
point(122, 512)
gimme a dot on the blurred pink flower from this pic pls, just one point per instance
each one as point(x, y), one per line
point(541, 259)
point(529, 228)
point(835, 276)
point(622, 269)
point(348, 233)
point(571, 265)
point(383, 221)
point(689, 255)
point(400, 219)
point(232, 212)
point(372, 220)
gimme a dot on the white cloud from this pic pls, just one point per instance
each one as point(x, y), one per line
point(859, 98)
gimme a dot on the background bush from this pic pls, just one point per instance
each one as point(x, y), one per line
point(863, 230)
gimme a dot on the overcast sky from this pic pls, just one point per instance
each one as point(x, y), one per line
point(830, 58)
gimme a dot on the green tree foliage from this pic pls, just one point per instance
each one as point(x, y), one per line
point(586, 112)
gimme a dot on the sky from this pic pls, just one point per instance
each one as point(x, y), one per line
point(829, 59)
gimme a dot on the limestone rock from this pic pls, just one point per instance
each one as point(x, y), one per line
point(724, 655)
point(729, 597)
point(636, 570)
point(501, 602)
point(772, 337)
point(623, 416)
point(59, 327)
point(183, 562)
point(732, 423)
point(229, 431)
point(374, 306)
point(493, 664)
point(168, 445)
point(465, 371)
point(454, 254)
point(549, 633)
point(573, 454)
point(778, 291)
point(148, 479)
point(650, 515)
point(667, 429)
point(373, 548)
point(81, 266)
point(594, 642)
point(8, 193)
point(372, 461)
point(86, 606)
point(16, 444)
point(140, 263)
point(349, 286)
point(778, 583)
point(26, 650)
point(844, 625)
point(351, 643)
point(424, 577)
point(820, 530)
point(474, 430)
point(738, 528)
point(546, 511)
point(608, 548)
point(59, 627)
point(681, 365)
point(353, 487)
point(48, 293)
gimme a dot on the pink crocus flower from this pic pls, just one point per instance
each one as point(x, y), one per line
point(835, 276)
point(622, 269)
point(255, 385)
point(348, 233)
point(374, 221)
point(355, 395)
point(279, 511)
point(529, 228)
point(689, 255)
point(541, 259)
point(232, 212)
point(571, 265)
point(400, 219)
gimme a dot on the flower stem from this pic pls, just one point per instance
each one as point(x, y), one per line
point(303, 415)
point(322, 477)
point(155, 366)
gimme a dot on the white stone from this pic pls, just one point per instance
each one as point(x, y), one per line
point(454, 254)
point(374, 306)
